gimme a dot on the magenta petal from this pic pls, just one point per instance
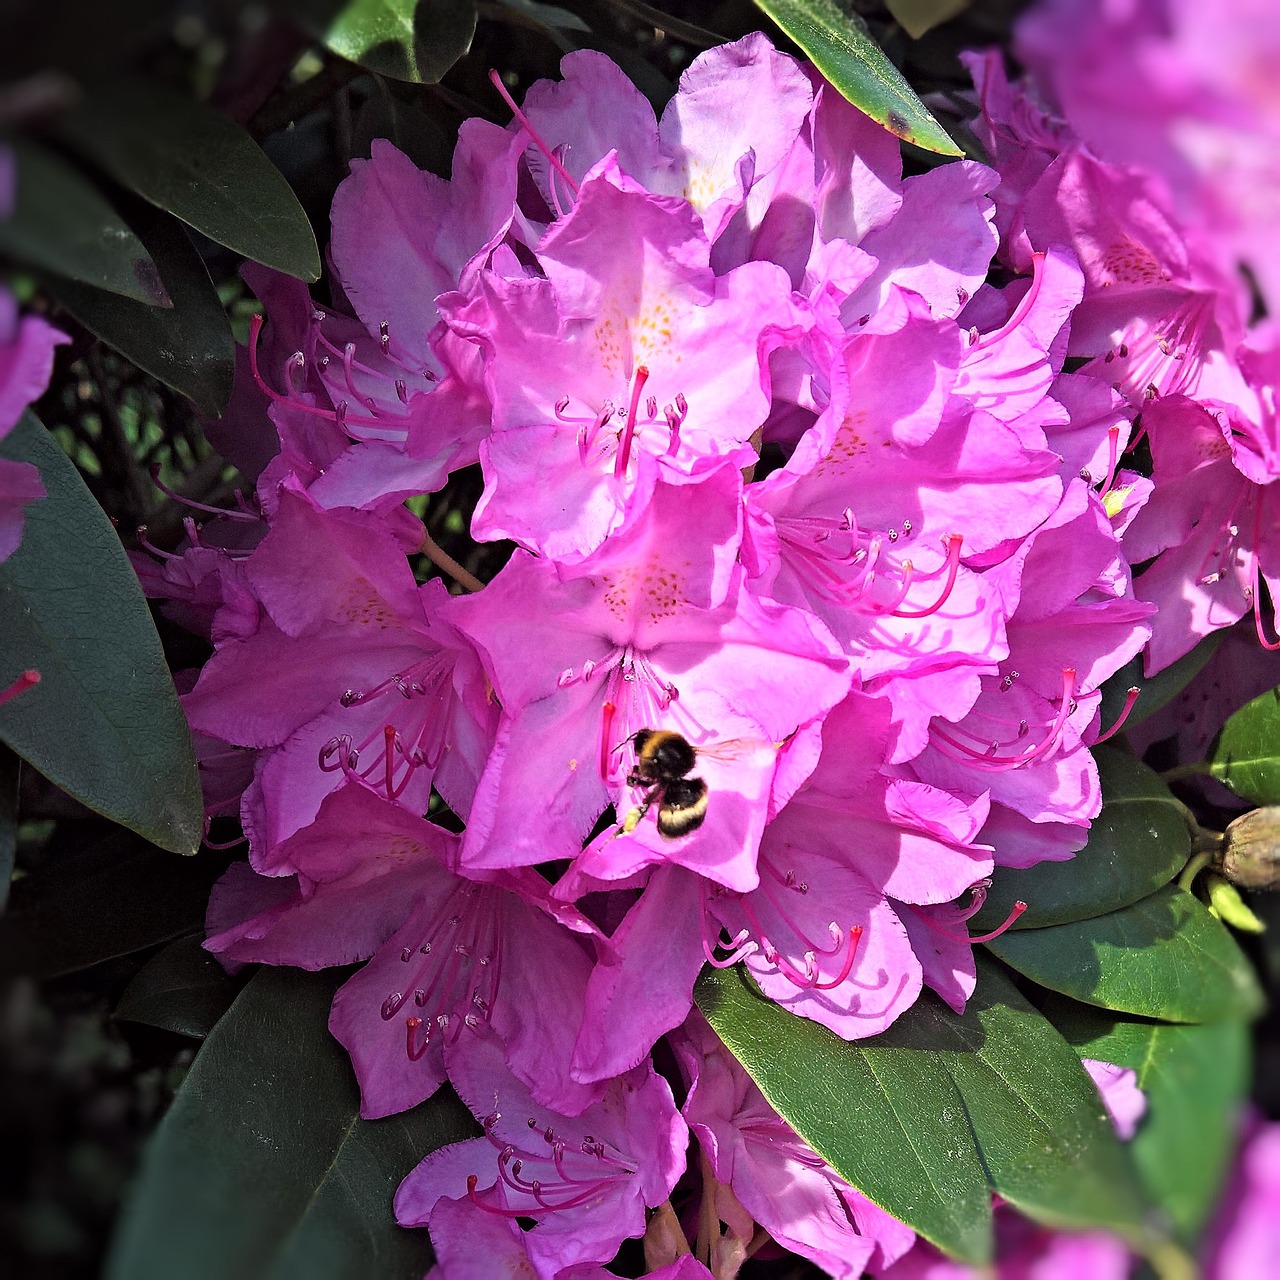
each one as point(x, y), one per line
point(646, 987)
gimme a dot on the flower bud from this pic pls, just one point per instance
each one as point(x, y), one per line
point(1251, 849)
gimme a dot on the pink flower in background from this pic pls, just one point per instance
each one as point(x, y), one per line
point(1196, 89)
point(26, 360)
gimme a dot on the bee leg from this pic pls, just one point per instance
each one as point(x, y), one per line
point(633, 819)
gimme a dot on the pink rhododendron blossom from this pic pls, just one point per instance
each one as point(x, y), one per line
point(1213, 512)
point(820, 478)
point(764, 1173)
point(585, 1180)
point(1196, 90)
point(616, 372)
point(452, 959)
point(354, 671)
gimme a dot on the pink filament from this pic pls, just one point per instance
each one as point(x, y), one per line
point(624, 446)
point(953, 567)
point(552, 158)
point(1130, 697)
point(27, 680)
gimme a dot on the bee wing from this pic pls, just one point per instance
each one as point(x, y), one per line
point(731, 749)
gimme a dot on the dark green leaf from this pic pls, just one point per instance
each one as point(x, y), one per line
point(1160, 689)
point(263, 1170)
point(104, 722)
point(1043, 1134)
point(888, 1119)
point(1139, 842)
point(189, 348)
point(676, 27)
point(62, 224)
point(549, 16)
point(842, 50)
point(181, 989)
point(115, 897)
point(10, 776)
point(187, 158)
point(1195, 1079)
point(1163, 957)
point(1246, 755)
point(415, 40)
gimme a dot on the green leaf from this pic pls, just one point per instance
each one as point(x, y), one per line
point(189, 348)
point(1164, 957)
point(1160, 689)
point(112, 897)
point(1195, 1078)
point(1041, 1128)
point(414, 40)
point(182, 989)
point(1246, 755)
point(889, 1120)
point(10, 776)
point(263, 1170)
point(188, 159)
point(104, 723)
point(853, 62)
point(62, 224)
point(1139, 842)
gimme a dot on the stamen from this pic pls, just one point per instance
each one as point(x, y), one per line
point(1113, 457)
point(552, 158)
point(640, 377)
point(27, 680)
point(1011, 919)
point(988, 759)
point(192, 503)
point(605, 757)
point(1130, 697)
point(953, 566)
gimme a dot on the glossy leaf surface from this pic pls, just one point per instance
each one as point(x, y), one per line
point(414, 40)
point(1138, 843)
point(194, 162)
point(182, 989)
point(1246, 755)
point(842, 50)
point(61, 223)
point(1164, 957)
point(889, 1119)
point(262, 1166)
point(104, 722)
point(188, 347)
point(1195, 1079)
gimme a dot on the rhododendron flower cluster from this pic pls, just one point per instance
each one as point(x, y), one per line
point(801, 491)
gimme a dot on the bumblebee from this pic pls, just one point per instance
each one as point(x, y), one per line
point(663, 762)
